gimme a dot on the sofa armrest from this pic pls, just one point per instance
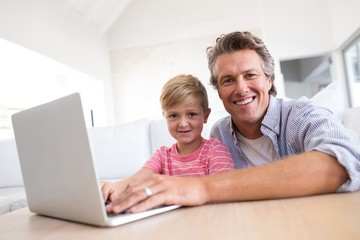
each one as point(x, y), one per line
point(10, 171)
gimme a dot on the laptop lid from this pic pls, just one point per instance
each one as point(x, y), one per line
point(57, 164)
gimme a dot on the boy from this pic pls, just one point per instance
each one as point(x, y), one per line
point(184, 103)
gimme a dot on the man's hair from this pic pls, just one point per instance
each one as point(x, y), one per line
point(235, 41)
point(183, 88)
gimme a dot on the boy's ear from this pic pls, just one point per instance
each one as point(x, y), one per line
point(206, 116)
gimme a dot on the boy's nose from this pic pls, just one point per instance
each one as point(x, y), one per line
point(183, 122)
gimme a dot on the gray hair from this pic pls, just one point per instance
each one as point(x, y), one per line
point(237, 41)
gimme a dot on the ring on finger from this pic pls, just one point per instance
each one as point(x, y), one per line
point(148, 192)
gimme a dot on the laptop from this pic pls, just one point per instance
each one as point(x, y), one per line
point(58, 165)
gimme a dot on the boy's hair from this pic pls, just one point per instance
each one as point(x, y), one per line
point(182, 88)
point(236, 41)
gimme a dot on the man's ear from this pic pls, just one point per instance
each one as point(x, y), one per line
point(206, 116)
point(270, 83)
point(219, 94)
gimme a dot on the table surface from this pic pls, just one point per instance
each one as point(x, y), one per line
point(332, 216)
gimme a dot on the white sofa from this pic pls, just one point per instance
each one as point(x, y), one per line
point(121, 150)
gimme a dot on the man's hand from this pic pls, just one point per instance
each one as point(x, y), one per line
point(166, 190)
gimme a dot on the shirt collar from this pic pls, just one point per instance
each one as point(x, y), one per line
point(272, 117)
point(233, 129)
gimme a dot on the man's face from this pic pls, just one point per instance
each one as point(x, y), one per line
point(244, 89)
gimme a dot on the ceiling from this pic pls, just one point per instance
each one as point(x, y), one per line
point(126, 22)
point(102, 13)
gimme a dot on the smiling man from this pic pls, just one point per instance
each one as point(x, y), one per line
point(262, 129)
point(244, 89)
point(281, 148)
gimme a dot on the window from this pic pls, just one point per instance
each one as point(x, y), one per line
point(351, 54)
point(28, 79)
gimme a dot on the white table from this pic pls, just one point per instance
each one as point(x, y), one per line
point(333, 216)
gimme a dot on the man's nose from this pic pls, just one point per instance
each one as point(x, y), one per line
point(241, 86)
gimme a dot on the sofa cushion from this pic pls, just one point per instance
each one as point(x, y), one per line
point(11, 199)
point(120, 150)
point(351, 119)
point(10, 171)
point(159, 135)
point(325, 98)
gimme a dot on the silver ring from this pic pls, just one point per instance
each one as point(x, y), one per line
point(148, 192)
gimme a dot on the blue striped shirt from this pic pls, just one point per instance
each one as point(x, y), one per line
point(297, 126)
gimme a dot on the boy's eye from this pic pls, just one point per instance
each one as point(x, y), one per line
point(192, 114)
point(172, 116)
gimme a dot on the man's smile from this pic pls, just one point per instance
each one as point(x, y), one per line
point(245, 101)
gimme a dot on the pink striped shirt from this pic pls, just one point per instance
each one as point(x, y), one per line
point(212, 157)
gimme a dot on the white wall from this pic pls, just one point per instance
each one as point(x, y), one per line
point(345, 19)
point(161, 41)
point(151, 22)
point(297, 29)
point(46, 28)
point(154, 40)
point(139, 74)
point(291, 29)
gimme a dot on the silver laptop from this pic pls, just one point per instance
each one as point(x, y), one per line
point(58, 166)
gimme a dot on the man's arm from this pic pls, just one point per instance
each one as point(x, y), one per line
point(301, 175)
point(304, 174)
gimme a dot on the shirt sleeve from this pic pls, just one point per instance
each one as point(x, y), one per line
point(318, 129)
point(154, 162)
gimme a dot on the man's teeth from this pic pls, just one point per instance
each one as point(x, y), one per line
point(246, 101)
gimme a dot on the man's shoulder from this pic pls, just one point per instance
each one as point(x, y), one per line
point(303, 109)
point(291, 102)
point(304, 105)
point(222, 122)
point(221, 128)
point(289, 105)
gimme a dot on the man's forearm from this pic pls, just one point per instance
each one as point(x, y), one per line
point(301, 175)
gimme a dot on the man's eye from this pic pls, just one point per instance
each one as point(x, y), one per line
point(172, 116)
point(250, 76)
point(227, 81)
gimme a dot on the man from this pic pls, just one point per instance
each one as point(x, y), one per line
point(281, 148)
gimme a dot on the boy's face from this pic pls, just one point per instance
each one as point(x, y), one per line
point(185, 123)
